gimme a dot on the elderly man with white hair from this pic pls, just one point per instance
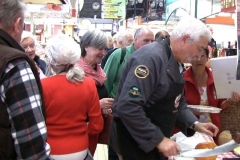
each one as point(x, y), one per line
point(23, 131)
point(150, 99)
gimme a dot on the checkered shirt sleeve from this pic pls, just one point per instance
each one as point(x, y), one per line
point(20, 94)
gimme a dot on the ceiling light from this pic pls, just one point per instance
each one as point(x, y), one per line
point(86, 22)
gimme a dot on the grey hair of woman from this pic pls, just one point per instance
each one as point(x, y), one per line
point(17, 8)
point(93, 38)
point(192, 27)
point(63, 52)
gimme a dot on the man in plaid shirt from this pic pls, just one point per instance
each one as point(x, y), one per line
point(22, 127)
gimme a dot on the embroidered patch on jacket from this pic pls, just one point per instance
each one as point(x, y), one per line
point(176, 102)
point(141, 71)
point(134, 92)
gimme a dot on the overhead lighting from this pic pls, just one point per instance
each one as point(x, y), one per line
point(86, 22)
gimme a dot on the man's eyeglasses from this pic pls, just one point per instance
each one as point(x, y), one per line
point(201, 50)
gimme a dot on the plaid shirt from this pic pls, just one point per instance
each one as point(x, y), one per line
point(20, 94)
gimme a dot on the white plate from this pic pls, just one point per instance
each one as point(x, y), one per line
point(237, 151)
point(206, 109)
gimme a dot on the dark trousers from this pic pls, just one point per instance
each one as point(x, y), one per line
point(129, 148)
point(112, 155)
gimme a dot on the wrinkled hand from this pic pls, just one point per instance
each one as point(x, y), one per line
point(106, 103)
point(168, 147)
point(37, 68)
point(106, 111)
point(235, 97)
point(207, 128)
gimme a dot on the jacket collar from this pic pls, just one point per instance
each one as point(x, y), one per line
point(173, 70)
point(172, 66)
point(7, 40)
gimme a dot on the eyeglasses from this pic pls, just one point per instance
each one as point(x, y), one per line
point(203, 56)
point(201, 50)
point(26, 47)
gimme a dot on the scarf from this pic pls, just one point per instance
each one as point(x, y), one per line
point(98, 75)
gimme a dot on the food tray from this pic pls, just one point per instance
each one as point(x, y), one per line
point(205, 109)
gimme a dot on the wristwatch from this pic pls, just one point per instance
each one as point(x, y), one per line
point(194, 125)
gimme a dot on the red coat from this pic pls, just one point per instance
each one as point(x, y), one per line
point(193, 97)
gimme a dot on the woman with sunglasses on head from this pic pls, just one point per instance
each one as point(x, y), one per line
point(200, 90)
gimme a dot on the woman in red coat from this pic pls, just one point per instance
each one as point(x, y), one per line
point(200, 90)
point(71, 100)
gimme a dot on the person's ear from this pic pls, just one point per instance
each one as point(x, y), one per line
point(18, 25)
point(86, 48)
point(120, 43)
point(184, 39)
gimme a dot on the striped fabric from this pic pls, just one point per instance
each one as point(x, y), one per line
point(19, 93)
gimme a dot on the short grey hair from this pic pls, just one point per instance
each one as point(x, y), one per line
point(122, 35)
point(63, 52)
point(192, 27)
point(10, 10)
point(139, 31)
point(93, 38)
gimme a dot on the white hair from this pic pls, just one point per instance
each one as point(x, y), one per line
point(63, 52)
point(122, 36)
point(192, 27)
point(27, 34)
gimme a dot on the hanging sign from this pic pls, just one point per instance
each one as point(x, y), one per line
point(113, 9)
